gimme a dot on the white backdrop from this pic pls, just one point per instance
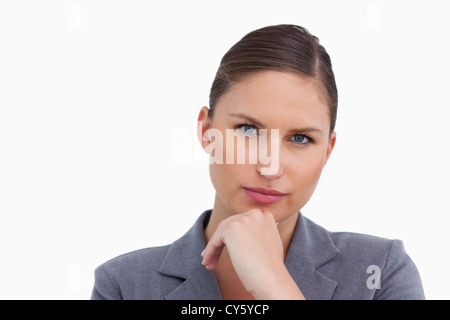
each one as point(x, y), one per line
point(98, 110)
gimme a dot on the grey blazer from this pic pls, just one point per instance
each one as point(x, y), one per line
point(325, 265)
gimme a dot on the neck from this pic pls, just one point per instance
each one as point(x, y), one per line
point(220, 212)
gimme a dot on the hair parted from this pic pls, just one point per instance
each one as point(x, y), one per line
point(281, 48)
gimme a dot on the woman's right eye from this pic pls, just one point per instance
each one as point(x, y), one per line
point(247, 128)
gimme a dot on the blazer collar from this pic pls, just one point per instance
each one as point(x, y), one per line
point(311, 247)
point(183, 260)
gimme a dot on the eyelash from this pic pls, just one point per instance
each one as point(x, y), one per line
point(239, 126)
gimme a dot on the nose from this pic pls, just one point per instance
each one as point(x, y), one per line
point(271, 174)
point(270, 166)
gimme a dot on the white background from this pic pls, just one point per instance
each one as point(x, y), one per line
point(98, 110)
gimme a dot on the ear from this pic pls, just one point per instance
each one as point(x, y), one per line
point(330, 147)
point(203, 124)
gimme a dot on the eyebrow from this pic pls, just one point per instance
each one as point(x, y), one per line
point(262, 125)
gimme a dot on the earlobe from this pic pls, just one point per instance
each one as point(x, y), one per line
point(331, 143)
point(203, 124)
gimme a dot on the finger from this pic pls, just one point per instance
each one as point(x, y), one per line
point(268, 215)
point(213, 250)
point(216, 243)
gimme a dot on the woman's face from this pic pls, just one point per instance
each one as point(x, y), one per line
point(269, 100)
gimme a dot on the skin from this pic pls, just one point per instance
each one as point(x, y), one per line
point(248, 241)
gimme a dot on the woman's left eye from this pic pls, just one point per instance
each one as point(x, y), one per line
point(300, 138)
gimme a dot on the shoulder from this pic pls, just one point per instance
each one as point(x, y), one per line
point(351, 243)
point(369, 250)
point(136, 261)
point(133, 275)
point(347, 246)
point(381, 267)
point(151, 273)
point(358, 243)
point(363, 266)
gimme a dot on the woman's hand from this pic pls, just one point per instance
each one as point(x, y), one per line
point(256, 252)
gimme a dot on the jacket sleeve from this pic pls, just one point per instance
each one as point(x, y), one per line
point(400, 279)
point(104, 288)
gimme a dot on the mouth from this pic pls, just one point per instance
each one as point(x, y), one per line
point(263, 195)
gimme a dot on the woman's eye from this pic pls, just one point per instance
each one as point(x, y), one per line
point(299, 138)
point(248, 129)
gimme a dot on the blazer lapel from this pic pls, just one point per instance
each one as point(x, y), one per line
point(200, 284)
point(311, 248)
point(183, 260)
point(313, 284)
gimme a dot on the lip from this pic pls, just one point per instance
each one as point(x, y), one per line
point(263, 195)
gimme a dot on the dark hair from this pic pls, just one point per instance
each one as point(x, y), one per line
point(282, 48)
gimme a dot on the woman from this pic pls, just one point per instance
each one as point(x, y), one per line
point(274, 93)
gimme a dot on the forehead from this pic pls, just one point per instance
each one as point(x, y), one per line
point(277, 98)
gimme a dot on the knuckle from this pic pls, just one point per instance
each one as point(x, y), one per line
point(235, 227)
point(254, 211)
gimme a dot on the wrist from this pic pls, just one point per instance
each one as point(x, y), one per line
point(278, 285)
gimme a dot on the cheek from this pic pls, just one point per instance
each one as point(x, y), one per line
point(227, 177)
point(305, 173)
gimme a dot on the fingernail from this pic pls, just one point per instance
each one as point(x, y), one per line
point(202, 253)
